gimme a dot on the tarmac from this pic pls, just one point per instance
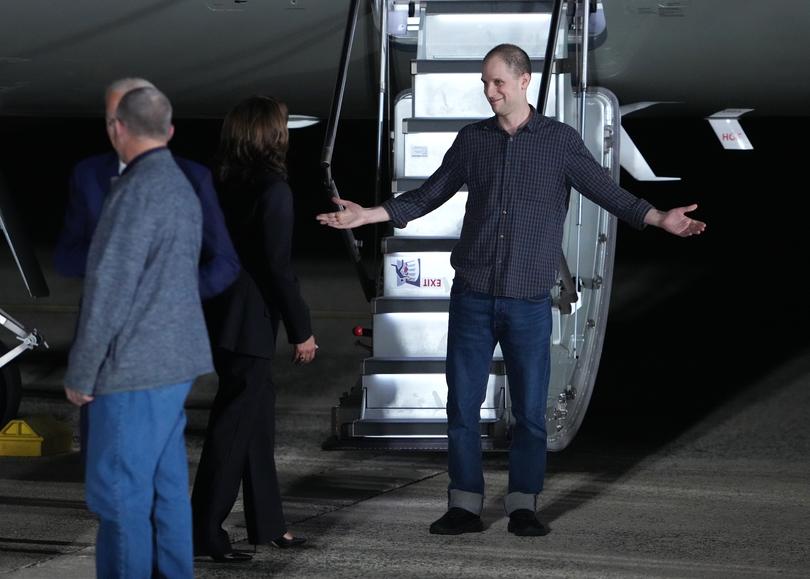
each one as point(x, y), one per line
point(691, 462)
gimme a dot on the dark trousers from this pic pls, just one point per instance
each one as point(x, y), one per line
point(239, 447)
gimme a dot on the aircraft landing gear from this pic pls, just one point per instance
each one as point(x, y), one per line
point(10, 381)
point(10, 391)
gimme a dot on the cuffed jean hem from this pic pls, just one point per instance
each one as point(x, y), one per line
point(472, 502)
point(515, 501)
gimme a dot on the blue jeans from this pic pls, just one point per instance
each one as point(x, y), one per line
point(523, 328)
point(136, 481)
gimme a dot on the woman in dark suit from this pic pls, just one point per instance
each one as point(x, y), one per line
point(243, 322)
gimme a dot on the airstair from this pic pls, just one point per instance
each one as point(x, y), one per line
point(399, 399)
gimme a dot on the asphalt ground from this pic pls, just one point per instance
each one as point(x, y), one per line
point(691, 461)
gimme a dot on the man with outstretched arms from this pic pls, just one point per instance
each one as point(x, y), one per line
point(519, 168)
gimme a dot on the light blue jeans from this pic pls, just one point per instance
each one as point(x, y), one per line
point(136, 481)
point(523, 328)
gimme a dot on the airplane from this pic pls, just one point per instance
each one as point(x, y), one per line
point(56, 57)
point(354, 59)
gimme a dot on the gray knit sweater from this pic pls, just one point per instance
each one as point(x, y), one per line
point(141, 323)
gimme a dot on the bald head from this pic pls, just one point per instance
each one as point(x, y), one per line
point(146, 113)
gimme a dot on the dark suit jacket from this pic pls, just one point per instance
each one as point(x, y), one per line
point(244, 319)
point(89, 186)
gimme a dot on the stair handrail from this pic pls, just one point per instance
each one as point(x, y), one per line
point(366, 282)
point(585, 18)
point(548, 61)
point(568, 290)
point(383, 105)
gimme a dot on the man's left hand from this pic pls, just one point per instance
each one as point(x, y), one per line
point(676, 221)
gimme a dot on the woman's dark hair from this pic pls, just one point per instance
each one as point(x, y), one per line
point(254, 139)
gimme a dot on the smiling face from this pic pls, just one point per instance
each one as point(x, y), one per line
point(504, 88)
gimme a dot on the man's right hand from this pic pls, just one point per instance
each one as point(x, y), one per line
point(76, 397)
point(353, 215)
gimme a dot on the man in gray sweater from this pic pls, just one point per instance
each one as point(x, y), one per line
point(140, 343)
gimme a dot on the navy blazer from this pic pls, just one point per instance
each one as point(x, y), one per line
point(90, 183)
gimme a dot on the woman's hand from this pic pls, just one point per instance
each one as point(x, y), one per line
point(304, 352)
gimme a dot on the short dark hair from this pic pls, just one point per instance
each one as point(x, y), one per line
point(146, 112)
point(514, 56)
point(254, 139)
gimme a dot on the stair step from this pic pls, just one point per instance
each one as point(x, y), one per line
point(458, 66)
point(417, 366)
point(488, 6)
point(452, 94)
point(422, 429)
point(412, 327)
point(424, 273)
point(408, 305)
point(468, 30)
point(418, 244)
point(491, 441)
point(421, 396)
point(404, 184)
point(433, 125)
point(444, 221)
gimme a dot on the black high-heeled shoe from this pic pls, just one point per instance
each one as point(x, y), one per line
point(284, 543)
point(232, 557)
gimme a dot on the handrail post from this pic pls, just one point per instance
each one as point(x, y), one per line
point(381, 109)
point(349, 240)
point(551, 47)
point(568, 291)
point(583, 77)
point(340, 86)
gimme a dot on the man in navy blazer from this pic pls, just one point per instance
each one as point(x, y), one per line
point(90, 183)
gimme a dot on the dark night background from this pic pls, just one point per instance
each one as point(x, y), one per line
point(734, 188)
point(732, 306)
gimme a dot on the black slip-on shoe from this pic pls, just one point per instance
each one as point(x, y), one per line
point(457, 521)
point(524, 523)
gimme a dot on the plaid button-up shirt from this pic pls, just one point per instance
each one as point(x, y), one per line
point(519, 186)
